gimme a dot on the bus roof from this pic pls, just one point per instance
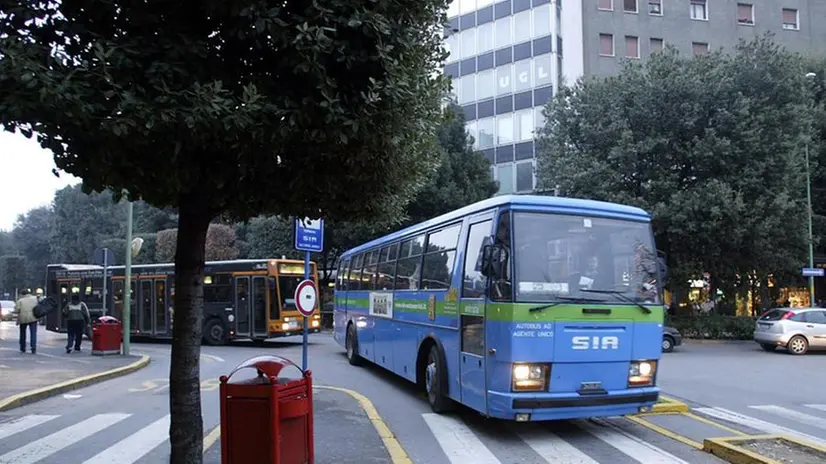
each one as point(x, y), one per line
point(555, 204)
point(88, 267)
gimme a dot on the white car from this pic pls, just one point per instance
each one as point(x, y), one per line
point(7, 310)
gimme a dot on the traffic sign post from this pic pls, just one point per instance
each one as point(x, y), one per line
point(813, 272)
point(309, 237)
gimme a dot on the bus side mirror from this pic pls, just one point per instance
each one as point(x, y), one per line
point(494, 261)
point(663, 268)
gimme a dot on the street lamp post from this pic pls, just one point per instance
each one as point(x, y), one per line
point(810, 75)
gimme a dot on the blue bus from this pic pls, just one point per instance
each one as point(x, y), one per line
point(522, 307)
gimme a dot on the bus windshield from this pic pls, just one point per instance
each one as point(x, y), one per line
point(288, 284)
point(558, 257)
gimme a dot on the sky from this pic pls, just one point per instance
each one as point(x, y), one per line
point(26, 179)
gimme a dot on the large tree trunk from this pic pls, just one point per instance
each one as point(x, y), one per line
point(186, 433)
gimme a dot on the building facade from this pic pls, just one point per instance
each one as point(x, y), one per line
point(507, 57)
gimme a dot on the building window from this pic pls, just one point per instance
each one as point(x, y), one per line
point(453, 9)
point(606, 5)
point(504, 129)
point(467, 43)
point(699, 48)
point(466, 6)
point(542, 20)
point(542, 70)
point(524, 125)
point(538, 120)
point(452, 45)
point(504, 80)
point(484, 38)
point(790, 19)
point(522, 76)
point(699, 10)
point(483, 3)
point(522, 27)
point(485, 127)
point(656, 45)
point(632, 47)
point(470, 127)
point(505, 178)
point(524, 176)
point(606, 44)
point(629, 6)
point(467, 89)
point(503, 36)
point(745, 13)
point(655, 7)
point(485, 86)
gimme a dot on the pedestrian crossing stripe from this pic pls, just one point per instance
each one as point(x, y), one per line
point(459, 442)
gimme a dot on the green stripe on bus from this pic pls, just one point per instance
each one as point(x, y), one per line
point(520, 312)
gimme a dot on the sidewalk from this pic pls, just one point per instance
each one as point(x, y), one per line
point(31, 377)
point(344, 434)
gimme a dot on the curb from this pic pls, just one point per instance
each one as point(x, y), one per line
point(669, 405)
point(397, 453)
point(22, 399)
point(728, 450)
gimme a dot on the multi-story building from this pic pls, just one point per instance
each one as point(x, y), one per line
point(506, 58)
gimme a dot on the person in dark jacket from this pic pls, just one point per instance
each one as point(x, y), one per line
point(77, 319)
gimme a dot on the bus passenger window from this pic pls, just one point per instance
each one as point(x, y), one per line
point(437, 269)
point(355, 273)
point(474, 281)
point(341, 275)
point(387, 268)
point(218, 289)
point(408, 269)
point(369, 274)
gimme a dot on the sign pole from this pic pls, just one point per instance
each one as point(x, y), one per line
point(105, 275)
point(306, 319)
point(309, 237)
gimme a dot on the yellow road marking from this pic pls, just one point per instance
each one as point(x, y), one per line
point(397, 453)
point(212, 438)
point(665, 431)
point(715, 424)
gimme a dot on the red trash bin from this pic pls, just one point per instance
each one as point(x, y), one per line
point(107, 335)
point(267, 420)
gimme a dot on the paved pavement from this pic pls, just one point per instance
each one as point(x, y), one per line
point(131, 413)
point(23, 372)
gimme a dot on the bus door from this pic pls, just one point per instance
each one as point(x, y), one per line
point(146, 300)
point(160, 308)
point(243, 305)
point(258, 300)
point(472, 316)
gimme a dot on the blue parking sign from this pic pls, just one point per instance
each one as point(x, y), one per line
point(309, 235)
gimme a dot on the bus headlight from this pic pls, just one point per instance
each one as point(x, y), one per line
point(642, 373)
point(529, 377)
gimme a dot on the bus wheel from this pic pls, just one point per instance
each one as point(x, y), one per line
point(352, 344)
point(215, 333)
point(435, 370)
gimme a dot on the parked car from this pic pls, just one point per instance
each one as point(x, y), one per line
point(796, 329)
point(671, 338)
point(6, 310)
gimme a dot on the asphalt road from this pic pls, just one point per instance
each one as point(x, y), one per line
point(743, 386)
point(135, 408)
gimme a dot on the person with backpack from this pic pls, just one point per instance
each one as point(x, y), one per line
point(77, 319)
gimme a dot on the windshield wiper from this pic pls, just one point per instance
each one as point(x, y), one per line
point(619, 295)
point(563, 299)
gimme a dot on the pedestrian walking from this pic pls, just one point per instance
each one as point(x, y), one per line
point(24, 308)
point(77, 319)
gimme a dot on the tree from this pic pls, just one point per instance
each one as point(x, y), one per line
point(712, 146)
point(229, 107)
point(220, 244)
point(82, 222)
point(461, 178)
point(32, 238)
point(12, 273)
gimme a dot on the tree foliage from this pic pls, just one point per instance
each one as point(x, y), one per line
point(712, 146)
point(241, 108)
point(220, 244)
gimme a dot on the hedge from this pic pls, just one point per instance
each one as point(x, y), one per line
point(713, 327)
